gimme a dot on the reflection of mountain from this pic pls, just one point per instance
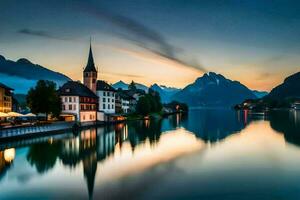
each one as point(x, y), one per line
point(213, 125)
point(288, 123)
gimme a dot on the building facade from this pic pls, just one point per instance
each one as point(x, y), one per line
point(118, 103)
point(106, 94)
point(5, 98)
point(79, 103)
point(125, 101)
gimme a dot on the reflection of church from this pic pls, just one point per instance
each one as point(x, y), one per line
point(90, 147)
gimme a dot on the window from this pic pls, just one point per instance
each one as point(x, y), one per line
point(112, 100)
point(66, 99)
point(70, 107)
point(108, 106)
point(67, 90)
point(103, 99)
point(103, 106)
point(74, 99)
point(74, 106)
point(108, 100)
point(81, 107)
point(63, 107)
point(112, 106)
point(70, 99)
point(83, 117)
point(104, 93)
point(91, 117)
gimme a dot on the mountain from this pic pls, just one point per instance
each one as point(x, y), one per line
point(214, 90)
point(120, 84)
point(290, 88)
point(23, 71)
point(165, 92)
point(259, 94)
point(124, 86)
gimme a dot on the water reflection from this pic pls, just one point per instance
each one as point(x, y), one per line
point(288, 123)
point(106, 155)
point(95, 145)
point(214, 125)
point(6, 159)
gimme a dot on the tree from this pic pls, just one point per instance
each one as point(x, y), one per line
point(143, 106)
point(132, 86)
point(155, 101)
point(150, 103)
point(43, 98)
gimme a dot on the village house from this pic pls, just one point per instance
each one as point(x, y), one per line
point(106, 94)
point(118, 103)
point(5, 98)
point(125, 101)
point(134, 97)
point(79, 103)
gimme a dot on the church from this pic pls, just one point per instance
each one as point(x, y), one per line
point(92, 101)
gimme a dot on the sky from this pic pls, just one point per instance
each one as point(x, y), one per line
point(169, 42)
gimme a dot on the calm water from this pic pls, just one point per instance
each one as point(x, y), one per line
point(209, 154)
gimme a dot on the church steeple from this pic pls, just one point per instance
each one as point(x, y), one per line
point(90, 72)
point(90, 66)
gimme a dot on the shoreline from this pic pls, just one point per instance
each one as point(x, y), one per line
point(58, 127)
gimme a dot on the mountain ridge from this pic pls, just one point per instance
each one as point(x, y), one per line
point(213, 90)
point(23, 70)
point(124, 86)
point(290, 88)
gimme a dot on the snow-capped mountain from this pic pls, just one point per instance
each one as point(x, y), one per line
point(165, 92)
point(214, 90)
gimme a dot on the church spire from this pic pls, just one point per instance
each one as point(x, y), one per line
point(90, 67)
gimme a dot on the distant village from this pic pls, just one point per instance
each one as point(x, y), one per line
point(94, 100)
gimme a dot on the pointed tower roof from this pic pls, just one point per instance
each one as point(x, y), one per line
point(90, 66)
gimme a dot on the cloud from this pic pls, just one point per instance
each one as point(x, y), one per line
point(39, 33)
point(141, 35)
point(124, 75)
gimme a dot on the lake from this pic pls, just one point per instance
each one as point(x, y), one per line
point(206, 154)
